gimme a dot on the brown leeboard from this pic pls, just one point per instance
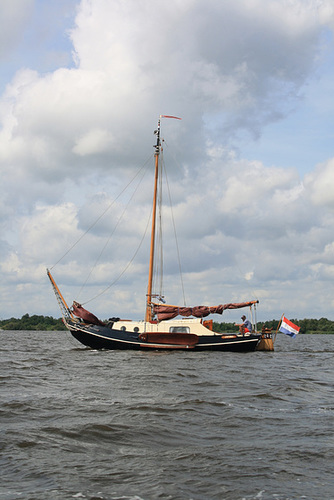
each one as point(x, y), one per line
point(265, 345)
point(176, 339)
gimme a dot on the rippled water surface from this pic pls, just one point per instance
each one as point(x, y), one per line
point(77, 423)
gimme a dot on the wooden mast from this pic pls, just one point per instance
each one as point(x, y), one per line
point(148, 316)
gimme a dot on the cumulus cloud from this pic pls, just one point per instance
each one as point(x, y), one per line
point(71, 139)
point(320, 185)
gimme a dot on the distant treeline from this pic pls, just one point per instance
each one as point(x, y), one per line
point(36, 322)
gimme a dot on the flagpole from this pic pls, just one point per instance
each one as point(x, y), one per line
point(279, 324)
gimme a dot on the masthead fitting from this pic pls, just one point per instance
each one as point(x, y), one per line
point(157, 145)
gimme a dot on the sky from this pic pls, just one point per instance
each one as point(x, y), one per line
point(250, 165)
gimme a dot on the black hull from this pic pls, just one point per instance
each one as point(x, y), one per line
point(97, 337)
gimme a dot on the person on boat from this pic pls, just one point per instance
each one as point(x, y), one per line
point(246, 324)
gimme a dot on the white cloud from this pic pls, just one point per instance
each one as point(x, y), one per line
point(93, 142)
point(320, 185)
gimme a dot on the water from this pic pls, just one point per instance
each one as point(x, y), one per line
point(77, 423)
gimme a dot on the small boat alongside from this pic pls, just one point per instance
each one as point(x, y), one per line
point(165, 327)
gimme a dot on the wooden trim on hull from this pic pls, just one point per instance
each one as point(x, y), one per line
point(92, 337)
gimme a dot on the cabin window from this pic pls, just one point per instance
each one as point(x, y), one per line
point(179, 329)
point(123, 328)
point(136, 329)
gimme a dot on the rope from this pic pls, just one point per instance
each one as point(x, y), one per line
point(126, 267)
point(113, 231)
point(158, 261)
point(175, 236)
point(103, 213)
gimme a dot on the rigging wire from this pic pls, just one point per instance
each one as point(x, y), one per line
point(103, 213)
point(158, 261)
point(115, 227)
point(242, 274)
point(126, 267)
point(159, 272)
point(175, 235)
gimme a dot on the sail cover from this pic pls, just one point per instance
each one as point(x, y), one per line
point(87, 316)
point(168, 312)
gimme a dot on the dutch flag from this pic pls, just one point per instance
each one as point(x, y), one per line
point(289, 328)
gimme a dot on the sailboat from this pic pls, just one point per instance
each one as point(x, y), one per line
point(165, 327)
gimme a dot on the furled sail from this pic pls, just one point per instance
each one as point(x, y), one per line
point(168, 312)
point(87, 316)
